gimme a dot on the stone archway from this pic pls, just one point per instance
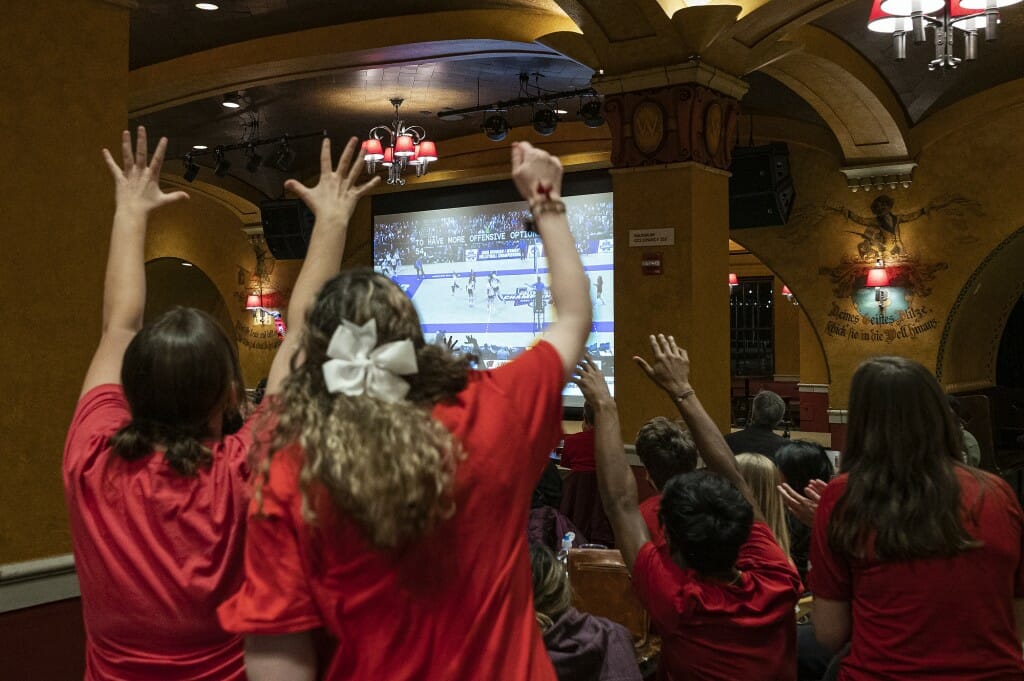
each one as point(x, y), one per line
point(172, 282)
point(970, 339)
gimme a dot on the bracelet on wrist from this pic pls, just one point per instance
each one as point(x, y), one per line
point(683, 395)
point(540, 207)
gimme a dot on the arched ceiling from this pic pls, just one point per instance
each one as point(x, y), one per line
point(920, 91)
point(321, 64)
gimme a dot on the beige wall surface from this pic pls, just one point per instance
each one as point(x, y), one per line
point(65, 68)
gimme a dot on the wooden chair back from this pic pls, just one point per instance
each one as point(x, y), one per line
point(602, 586)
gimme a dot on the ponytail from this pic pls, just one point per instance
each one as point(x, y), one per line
point(184, 452)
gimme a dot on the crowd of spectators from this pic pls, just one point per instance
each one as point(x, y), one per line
point(368, 520)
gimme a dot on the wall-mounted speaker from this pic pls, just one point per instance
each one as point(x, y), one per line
point(761, 189)
point(287, 225)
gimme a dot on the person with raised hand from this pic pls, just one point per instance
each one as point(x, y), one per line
point(720, 591)
point(155, 465)
point(374, 516)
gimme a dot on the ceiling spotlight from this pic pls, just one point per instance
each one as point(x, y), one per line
point(223, 165)
point(285, 156)
point(496, 127)
point(191, 169)
point(208, 6)
point(545, 121)
point(231, 101)
point(254, 159)
point(591, 114)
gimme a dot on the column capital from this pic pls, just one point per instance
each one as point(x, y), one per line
point(668, 124)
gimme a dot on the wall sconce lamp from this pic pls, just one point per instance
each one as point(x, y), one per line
point(878, 278)
point(789, 295)
point(257, 303)
point(734, 281)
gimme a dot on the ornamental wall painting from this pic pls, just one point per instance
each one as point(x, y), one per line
point(881, 284)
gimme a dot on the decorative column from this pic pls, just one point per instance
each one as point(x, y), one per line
point(673, 131)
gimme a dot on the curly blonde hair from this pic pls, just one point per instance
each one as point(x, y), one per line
point(764, 479)
point(388, 465)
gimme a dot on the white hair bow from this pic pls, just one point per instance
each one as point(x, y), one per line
point(358, 366)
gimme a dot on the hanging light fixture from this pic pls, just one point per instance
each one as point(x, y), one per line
point(398, 147)
point(946, 18)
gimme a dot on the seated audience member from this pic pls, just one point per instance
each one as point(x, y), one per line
point(547, 525)
point(764, 479)
point(666, 450)
point(800, 463)
point(578, 448)
point(155, 466)
point(916, 559)
point(581, 501)
point(720, 591)
point(766, 412)
point(582, 647)
point(390, 505)
point(972, 450)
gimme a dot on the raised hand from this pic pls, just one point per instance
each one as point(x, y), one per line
point(803, 507)
point(137, 184)
point(670, 369)
point(536, 173)
point(334, 198)
point(591, 381)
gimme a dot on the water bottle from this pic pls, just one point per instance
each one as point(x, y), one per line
point(563, 552)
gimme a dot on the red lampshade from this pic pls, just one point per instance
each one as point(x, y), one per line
point(428, 152)
point(733, 279)
point(389, 158)
point(415, 159)
point(786, 291)
point(877, 276)
point(404, 146)
point(373, 150)
point(252, 301)
point(904, 8)
point(881, 21)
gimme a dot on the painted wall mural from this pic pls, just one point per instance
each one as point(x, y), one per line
point(881, 290)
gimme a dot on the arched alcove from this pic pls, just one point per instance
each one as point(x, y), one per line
point(801, 369)
point(970, 340)
point(814, 365)
point(172, 282)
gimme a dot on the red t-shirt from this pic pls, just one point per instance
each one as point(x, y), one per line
point(156, 552)
point(457, 604)
point(713, 631)
point(935, 619)
point(649, 508)
point(578, 451)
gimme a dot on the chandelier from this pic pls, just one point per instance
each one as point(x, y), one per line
point(946, 18)
point(398, 147)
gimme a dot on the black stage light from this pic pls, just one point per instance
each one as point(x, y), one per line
point(496, 127)
point(223, 165)
point(191, 169)
point(545, 121)
point(591, 114)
